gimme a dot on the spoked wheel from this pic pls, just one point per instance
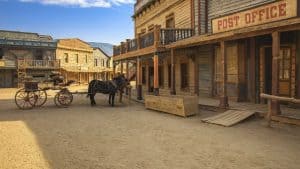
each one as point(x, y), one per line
point(64, 98)
point(40, 97)
point(25, 99)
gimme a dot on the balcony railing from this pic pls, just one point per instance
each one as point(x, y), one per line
point(39, 64)
point(173, 35)
point(157, 38)
point(147, 40)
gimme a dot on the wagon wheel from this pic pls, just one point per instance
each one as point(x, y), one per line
point(40, 97)
point(24, 99)
point(63, 98)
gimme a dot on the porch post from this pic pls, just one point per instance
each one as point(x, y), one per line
point(114, 69)
point(127, 74)
point(192, 75)
point(122, 67)
point(252, 94)
point(224, 98)
point(275, 107)
point(173, 89)
point(139, 79)
point(156, 75)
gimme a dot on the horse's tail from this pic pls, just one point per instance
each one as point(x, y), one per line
point(91, 84)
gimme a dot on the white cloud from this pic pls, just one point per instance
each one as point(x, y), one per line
point(82, 3)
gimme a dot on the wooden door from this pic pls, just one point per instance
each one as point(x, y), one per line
point(285, 70)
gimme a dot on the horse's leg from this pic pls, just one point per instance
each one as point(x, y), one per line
point(92, 98)
point(113, 99)
point(109, 98)
point(121, 96)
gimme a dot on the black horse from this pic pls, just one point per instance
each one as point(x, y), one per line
point(107, 87)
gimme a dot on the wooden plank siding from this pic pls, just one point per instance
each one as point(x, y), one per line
point(156, 15)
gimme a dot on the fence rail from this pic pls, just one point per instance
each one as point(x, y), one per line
point(173, 35)
point(39, 64)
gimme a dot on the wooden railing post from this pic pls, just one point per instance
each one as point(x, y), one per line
point(138, 42)
point(127, 45)
point(275, 107)
point(173, 89)
point(114, 50)
point(157, 36)
point(122, 47)
point(224, 98)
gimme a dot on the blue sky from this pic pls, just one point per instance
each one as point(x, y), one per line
point(90, 20)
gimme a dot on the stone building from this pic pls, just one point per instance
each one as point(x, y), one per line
point(25, 54)
point(228, 50)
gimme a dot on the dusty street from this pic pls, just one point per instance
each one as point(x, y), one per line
point(131, 137)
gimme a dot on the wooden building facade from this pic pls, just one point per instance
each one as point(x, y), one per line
point(24, 54)
point(81, 62)
point(230, 49)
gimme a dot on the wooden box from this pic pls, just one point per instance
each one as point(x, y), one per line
point(179, 105)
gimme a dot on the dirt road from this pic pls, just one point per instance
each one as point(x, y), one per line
point(130, 137)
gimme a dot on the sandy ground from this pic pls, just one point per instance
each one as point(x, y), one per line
point(131, 137)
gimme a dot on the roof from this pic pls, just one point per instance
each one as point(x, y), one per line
point(106, 48)
point(18, 35)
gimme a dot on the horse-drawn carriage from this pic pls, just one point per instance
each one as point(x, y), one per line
point(33, 96)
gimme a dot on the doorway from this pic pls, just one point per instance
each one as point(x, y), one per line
point(151, 79)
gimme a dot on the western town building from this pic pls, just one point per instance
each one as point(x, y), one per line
point(24, 54)
point(229, 50)
point(81, 62)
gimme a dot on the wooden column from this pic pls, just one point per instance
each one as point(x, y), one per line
point(223, 98)
point(298, 65)
point(173, 89)
point(127, 74)
point(156, 74)
point(122, 67)
point(252, 83)
point(114, 69)
point(275, 107)
point(139, 79)
point(192, 75)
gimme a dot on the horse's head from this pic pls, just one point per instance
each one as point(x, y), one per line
point(121, 81)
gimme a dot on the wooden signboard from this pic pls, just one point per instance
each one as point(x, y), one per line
point(276, 11)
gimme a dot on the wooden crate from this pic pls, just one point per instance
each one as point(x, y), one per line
point(179, 105)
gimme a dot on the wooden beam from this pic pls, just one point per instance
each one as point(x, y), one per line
point(281, 26)
point(156, 75)
point(224, 98)
point(279, 98)
point(275, 107)
point(286, 120)
point(139, 79)
point(173, 89)
point(252, 83)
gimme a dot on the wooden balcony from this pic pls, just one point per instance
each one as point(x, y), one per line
point(150, 42)
point(39, 64)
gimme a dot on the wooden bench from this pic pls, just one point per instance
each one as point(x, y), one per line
point(179, 105)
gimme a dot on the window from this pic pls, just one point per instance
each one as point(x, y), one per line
point(76, 58)
point(39, 55)
point(103, 61)
point(1, 53)
point(184, 75)
point(96, 62)
point(143, 75)
point(66, 57)
point(150, 28)
point(108, 63)
point(86, 58)
point(284, 64)
point(170, 21)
